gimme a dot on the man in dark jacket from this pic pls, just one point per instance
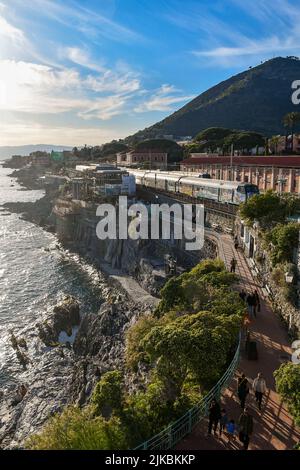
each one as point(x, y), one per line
point(243, 390)
point(233, 264)
point(246, 428)
point(214, 415)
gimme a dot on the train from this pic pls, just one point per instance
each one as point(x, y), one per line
point(230, 192)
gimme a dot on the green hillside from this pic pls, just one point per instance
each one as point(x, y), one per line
point(254, 100)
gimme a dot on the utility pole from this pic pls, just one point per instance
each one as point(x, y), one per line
point(231, 161)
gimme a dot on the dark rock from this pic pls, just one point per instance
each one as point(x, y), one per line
point(65, 316)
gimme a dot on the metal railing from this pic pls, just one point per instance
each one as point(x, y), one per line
point(176, 431)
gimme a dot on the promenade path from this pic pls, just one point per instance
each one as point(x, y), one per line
point(273, 426)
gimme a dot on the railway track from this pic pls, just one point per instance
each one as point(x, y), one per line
point(218, 207)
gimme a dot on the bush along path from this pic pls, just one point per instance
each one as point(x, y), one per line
point(274, 428)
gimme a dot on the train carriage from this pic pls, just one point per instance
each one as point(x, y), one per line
point(227, 192)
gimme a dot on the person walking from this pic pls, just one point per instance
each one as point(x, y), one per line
point(243, 295)
point(223, 421)
point(214, 416)
point(259, 387)
point(236, 242)
point(243, 390)
point(233, 263)
point(245, 428)
point(230, 428)
point(257, 299)
point(246, 324)
point(250, 303)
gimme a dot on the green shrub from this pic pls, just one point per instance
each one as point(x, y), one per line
point(277, 276)
point(192, 345)
point(193, 291)
point(76, 429)
point(283, 237)
point(108, 394)
point(287, 379)
point(269, 208)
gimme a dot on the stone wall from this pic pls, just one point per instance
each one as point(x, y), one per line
point(219, 219)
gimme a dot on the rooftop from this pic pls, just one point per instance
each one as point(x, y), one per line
point(290, 161)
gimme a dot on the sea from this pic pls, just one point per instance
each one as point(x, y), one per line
point(35, 274)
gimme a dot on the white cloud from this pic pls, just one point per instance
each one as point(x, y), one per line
point(11, 32)
point(34, 88)
point(88, 22)
point(258, 29)
point(162, 100)
point(105, 108)
point(81, 57)
point(121, 80)
point(268, 45)
point(111, 82)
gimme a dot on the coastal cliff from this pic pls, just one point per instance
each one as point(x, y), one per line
point(66, 362)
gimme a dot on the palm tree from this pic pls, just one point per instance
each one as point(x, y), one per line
point(289, 122)
point(274, 142)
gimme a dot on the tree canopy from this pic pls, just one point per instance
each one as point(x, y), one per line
point(213, 134)
point(244, 140)
point(283, 237)
point(287, 379)
point(220, 138)
point(269, 208)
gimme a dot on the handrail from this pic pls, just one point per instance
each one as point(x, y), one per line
point(176, 431)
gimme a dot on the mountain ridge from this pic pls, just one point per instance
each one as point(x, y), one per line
point(255, 100)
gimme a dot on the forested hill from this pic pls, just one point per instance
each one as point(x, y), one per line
point(256, 100)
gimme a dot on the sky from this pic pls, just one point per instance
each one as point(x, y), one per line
point(75, 72)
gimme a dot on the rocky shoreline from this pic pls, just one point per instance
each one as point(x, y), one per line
point(57, 373)
point(60, 373)
point(68, 359)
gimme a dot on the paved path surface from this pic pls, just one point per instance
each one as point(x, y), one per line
point(130, 285)
point(273, 427)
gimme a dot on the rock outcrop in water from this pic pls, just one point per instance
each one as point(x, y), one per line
point(64, 317)
point(99, 344)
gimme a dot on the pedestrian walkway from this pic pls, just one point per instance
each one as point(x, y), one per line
point(273, 426)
